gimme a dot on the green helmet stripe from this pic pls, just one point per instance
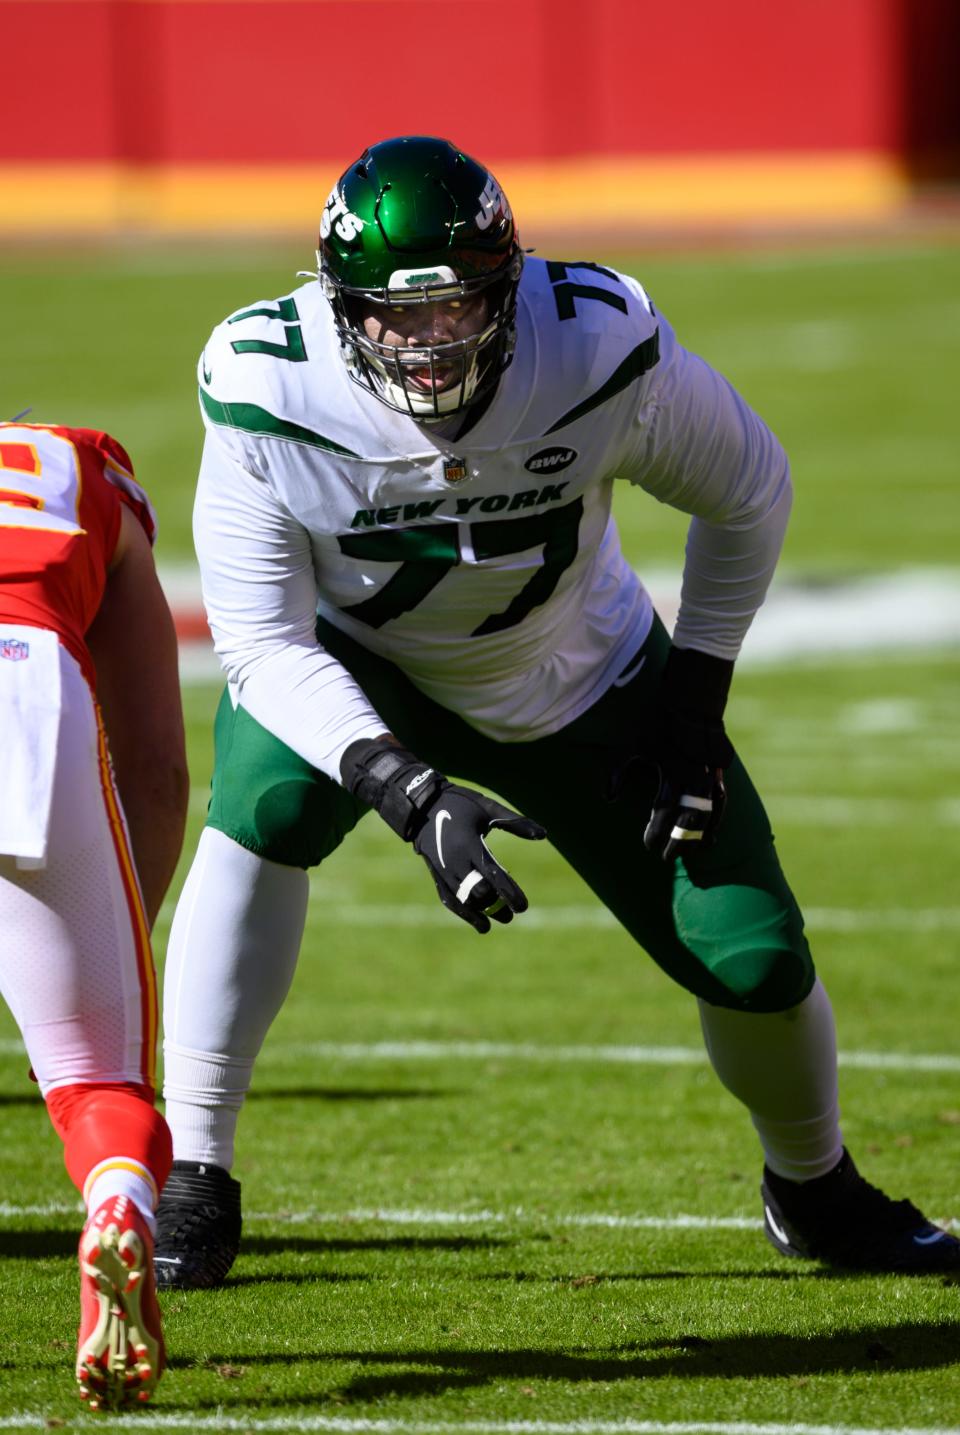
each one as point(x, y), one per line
point(250, 418)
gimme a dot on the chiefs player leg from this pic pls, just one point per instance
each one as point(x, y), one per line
point(77, 972)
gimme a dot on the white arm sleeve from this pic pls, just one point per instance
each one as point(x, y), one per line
point(708, 454)
point(260, 594)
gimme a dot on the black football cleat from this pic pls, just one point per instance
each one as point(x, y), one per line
point(843, 1221)
point(198, 1227)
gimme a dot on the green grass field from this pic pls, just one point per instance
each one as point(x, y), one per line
point(465, 1162)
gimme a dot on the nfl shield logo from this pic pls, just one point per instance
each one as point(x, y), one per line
point(454, 470)
point(13, 648)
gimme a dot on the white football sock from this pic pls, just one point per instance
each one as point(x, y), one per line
point(233, 950)
point(204, 1092)
point(124, 1181)
point(783, 1067)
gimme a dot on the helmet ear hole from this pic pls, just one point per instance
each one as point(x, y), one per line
point(409, 211)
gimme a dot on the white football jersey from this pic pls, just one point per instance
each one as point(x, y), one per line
point(488, 569)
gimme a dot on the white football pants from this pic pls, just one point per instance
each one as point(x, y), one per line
point(75, 962)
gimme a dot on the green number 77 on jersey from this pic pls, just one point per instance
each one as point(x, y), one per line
point(428, 553)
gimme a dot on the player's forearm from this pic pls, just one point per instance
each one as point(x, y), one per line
point(305, 697)
point(154, 802)
point(260, 597)
point(148, 750)
point(726, 576)
point(134, 648)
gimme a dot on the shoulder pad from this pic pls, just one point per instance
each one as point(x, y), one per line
point(597, 334)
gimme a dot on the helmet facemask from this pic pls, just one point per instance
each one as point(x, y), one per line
point(433, 381)
point(414, 222)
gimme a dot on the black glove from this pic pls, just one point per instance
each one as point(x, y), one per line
point(447, 826)
point(691, 750)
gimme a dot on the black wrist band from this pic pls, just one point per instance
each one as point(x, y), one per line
point(696, 683)
point(393, 781)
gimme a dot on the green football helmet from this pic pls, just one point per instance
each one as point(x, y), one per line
point(415, 220)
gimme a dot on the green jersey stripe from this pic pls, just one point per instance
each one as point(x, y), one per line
point(643, 357)
point(253, 419)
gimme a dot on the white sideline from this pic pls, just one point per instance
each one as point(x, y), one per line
point(360, 1051)
point(348, 1425)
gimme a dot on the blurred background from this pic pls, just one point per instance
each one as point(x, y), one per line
point(145, 116)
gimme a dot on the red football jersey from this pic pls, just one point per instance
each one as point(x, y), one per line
point(60, 496)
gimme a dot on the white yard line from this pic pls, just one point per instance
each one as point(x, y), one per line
point(425, 1219)
point(549, 919)
point(391, 1216)
point(351, 1425)
point(552, 1055)
point(385, 1216)
point(10, 1211)
point(376, 1051)
point(798, 808)
point(826, 811)
point(832, 920)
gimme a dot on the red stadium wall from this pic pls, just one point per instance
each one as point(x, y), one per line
point(164, 109)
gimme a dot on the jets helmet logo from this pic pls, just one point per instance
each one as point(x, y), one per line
point(493, 205)
point(337, 216)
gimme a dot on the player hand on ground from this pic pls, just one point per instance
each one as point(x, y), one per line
point(446, 824)
point(691, 750)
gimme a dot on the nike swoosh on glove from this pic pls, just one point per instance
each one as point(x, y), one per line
point(468, 878)
point(691, 751)
point(447, 826)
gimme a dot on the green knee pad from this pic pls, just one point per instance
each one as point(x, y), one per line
point(269, 799)
point(748, 936)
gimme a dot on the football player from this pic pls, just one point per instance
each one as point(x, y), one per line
point(87, 649)
point(411, 573)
